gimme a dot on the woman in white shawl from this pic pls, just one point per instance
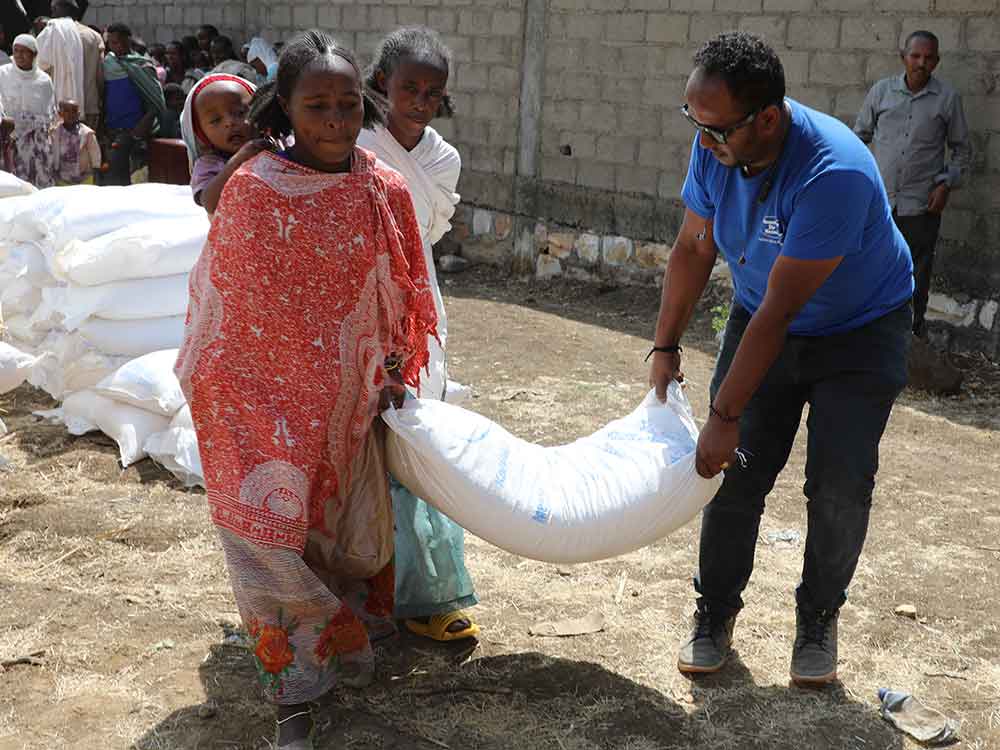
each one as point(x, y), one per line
point(27, 100)
point(410, 73)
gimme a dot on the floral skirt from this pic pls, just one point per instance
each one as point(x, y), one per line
point(29, 155)
point(308, 627)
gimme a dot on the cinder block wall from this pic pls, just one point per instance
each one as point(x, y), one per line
point(602, 80)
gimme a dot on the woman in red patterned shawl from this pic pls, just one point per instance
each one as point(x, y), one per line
point(310, 306)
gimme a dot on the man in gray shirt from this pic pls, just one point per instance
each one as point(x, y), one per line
point(911, 117)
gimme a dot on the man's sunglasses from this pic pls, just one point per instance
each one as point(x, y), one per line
point(719, 136)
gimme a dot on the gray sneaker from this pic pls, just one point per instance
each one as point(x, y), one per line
point(708, 645)
point(814, 656)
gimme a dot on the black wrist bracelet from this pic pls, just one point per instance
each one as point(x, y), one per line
point(673, 349)
point(716, 413)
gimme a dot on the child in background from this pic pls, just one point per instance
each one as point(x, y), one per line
point(170, 123)
point(310, 308)
point(218, 137)
point(77, 153)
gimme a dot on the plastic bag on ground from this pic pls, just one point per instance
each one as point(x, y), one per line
point(176, 449)
point(162, 247)
point(620, 489)
point(128, 426)
point(147, 382)
point(15, 366)
point(137, 299)
point(133, 338)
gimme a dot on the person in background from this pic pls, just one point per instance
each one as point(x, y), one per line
point(27, 99)
point(88, 83)
point(285, 387)
point(77, 152)
point(170, 124)
point(4, 55)
point(39, 24)
point(179, 67)
point(217, 135)
point(911, 117)
point(224, 61)
point(263, 58)
point(820, 316)
point(410, 72)
point(191, 47)
point(158, 54)
point(205, 35)
point(133, 100)
point(244, 49)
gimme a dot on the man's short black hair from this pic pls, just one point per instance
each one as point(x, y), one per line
point(749, 66)
point(922, 34)
point(120, 28)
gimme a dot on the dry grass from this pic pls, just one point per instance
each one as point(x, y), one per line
point(119, 578)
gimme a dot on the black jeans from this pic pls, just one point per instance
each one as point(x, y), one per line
point(126, 154)
point(921, 234)
point(850, 382)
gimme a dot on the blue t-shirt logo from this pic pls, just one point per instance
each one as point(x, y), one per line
point(773, 231)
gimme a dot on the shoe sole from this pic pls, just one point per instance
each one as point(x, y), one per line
point(695, 669)
point(825, 679)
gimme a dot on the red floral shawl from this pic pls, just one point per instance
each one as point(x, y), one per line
point(307, 283)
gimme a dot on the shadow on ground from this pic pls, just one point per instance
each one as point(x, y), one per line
point(529, 701)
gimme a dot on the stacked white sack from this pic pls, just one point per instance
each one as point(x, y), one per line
point(92, 277)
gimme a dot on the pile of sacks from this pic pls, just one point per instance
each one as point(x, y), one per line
point(91, 280)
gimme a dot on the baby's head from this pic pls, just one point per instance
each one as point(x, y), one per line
point(220, 114)
point(69, 112)
point(319, 96)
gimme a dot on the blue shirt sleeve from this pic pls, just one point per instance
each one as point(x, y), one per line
point(694, 192)
point(829, 217)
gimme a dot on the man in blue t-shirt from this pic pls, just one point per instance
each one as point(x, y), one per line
point(821, 316)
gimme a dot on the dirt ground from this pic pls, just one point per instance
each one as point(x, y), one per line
point(118, 579)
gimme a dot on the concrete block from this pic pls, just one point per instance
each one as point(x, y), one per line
point(670, 185)
point(305, 17)
point(625, 27)
point(558, 169)
point(381, 18)
point(946, 29)
point(473, 77)
point(882, 66)
point(506, 23)
point(771, 28)
point(796, 6)
point(482, 222)
point(796, 65)
point(580, 85)
point(596, 175)
point(356, 19)
point(837, 68)
point(442, 21)
point(636, 179)
point(589, 26)
point(705, 26)
point(411, 16)
point(849, 5)
point(971, 6)
point(328, 17)
point(648, 59)
point(741, 6)
point(561, 114)
point(588, 248)
point(616, 251)
point(615, 88)
point(597, 117)
point(579, 144)
point(644, 122)
point(848, 103)
point(943, 308)
point(868, 32)
point(490, 49)
point(503, 224)
point(618, 149)
point(668, 28)
point(983, 34)
point(192, 16)
point(565, 55)
point(681, 4)
point(914, 6)
point(813, 32)
point(172, 15)
point(474, 22)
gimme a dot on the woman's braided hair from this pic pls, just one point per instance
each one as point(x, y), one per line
point(416, 43)
point(266, 113)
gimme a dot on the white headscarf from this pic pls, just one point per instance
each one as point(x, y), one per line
point(27, 92)
point(26, 40)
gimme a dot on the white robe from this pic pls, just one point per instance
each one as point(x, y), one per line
point(431, 171)
point(60, 54)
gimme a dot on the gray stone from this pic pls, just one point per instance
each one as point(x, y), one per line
point(547, 266)
point(452, 264)
point(482, 222)
point(588, 248)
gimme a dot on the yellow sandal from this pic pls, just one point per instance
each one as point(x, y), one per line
point(437, 626)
